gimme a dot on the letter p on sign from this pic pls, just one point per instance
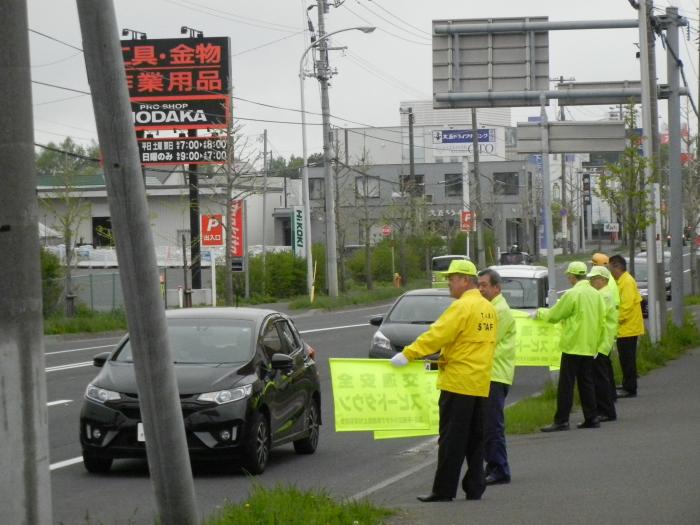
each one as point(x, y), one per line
point(212, 230)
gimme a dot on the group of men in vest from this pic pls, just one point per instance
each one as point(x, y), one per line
point(476, 338)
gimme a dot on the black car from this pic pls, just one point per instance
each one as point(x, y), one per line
point(247, 383)
point(409, 317)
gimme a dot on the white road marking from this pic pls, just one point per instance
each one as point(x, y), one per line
point(80, 349)
point(332, 328)
point(68, 367)
point(66, 463)
point(393, 479)
point(59, 402)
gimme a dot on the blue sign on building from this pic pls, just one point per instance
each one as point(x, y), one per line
point(458, 136)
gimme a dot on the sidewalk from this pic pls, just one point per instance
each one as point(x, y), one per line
point(641, 469)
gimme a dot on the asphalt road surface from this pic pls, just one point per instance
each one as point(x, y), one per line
point(346, 464)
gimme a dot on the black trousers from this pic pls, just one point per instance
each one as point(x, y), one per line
point(461, 437)
point(604, 386)
point(573, 369)
point(627, 350)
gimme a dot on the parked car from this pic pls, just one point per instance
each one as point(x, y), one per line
point(641, 275)
point(508, 258)
point(439, 266)
point(247, 382)
point(409, 316)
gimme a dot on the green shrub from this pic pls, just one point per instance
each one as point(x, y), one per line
point(51, 284)
point(85, 320)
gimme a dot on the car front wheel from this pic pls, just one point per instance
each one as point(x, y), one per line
point(257, 447)
point(308, 444)
point(95, 464)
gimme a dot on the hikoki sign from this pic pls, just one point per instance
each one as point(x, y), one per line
point(298, 231)
point(372, 395)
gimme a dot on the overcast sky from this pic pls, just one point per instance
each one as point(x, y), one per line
point(375, 73)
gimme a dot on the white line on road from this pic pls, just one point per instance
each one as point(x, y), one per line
point(332, 328)
point(66, 463)
point(59, 402)
point(79, 349)
point(392, 479)
point(68, 367)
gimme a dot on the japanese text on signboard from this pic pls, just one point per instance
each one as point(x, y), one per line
point(235, 225)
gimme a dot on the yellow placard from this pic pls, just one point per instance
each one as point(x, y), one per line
point(371, 394)
point(538, 341)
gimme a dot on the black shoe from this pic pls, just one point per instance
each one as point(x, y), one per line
point(433, 497)
point(491, 479)
point(603, 419)
point(625, 393)
point(593, 423)
point(555, 427)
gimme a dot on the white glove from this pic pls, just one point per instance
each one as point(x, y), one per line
point(399, 360)
point(533, 315)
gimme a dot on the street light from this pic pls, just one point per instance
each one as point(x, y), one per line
point(305, 167)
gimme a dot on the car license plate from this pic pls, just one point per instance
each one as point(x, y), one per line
point(140, 436)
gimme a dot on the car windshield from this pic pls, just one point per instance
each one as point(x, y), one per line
point(520, 292)
point(419, 309)
point(640, 270)
point(441, 264)
point(205, 341)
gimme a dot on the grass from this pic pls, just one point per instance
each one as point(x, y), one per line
point(355, 296)
point(691, 300)
point(85, 320)
point(528, 415)
point(290, 506)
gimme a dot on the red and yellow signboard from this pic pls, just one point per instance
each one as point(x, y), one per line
point(235, 226)
point(212, 230)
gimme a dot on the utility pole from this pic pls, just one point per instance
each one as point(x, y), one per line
point(159, 402)
point(331, 234)
point(411, 147)
point(565, 212)
point(25, 484)
point(264, 208)
point(648, 75)
point(674, 163)
point(477, 186)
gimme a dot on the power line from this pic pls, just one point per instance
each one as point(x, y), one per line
point(54, 39)
point(390, 22)
point(375, 2)
point(60, 87)
point(227, 15)
point(46, 64)
point(266, 44)
point(388, 32)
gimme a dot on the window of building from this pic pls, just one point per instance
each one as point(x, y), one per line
point(453, 184)
point(367, 187)
point(505, 183)
point(317, 189)
point(412, 185)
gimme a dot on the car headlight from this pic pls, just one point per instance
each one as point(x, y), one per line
point(227, 396)
point(101, 395)
point(381, 341)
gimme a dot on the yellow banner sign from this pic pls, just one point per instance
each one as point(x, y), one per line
point(538, 341)
point(371, 394)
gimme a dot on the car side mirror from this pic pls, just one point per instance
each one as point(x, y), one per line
point(376, 320)
point(282, 362)
point(100, 359)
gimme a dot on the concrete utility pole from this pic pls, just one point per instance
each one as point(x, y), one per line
point(674, 163)
point(331, 234)
point(565, 212)
point(159, 401)
point(411, 147)
point(264, 207)
point(547, 204)
point(648, 77)
point(481, 254)
point(25, 484)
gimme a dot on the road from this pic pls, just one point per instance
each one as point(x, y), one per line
point(345, 464)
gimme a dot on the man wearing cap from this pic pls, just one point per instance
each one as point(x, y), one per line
point(582, 313)
point(600, 259)
point(631, 324)
point(465, 336)
point(599, 277)
point(495, 454)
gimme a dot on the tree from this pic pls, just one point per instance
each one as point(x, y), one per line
point(691, 208)
point(66, 164)
point(622, 186)
point(279, 167)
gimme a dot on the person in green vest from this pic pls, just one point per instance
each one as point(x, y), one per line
point(495, 454)
point(581, 312)
point(603, 379)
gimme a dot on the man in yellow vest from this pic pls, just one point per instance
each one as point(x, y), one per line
point(465, 336)
point(495, 453)
point(631, 324)
point(582, 313)
point(603, 379)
